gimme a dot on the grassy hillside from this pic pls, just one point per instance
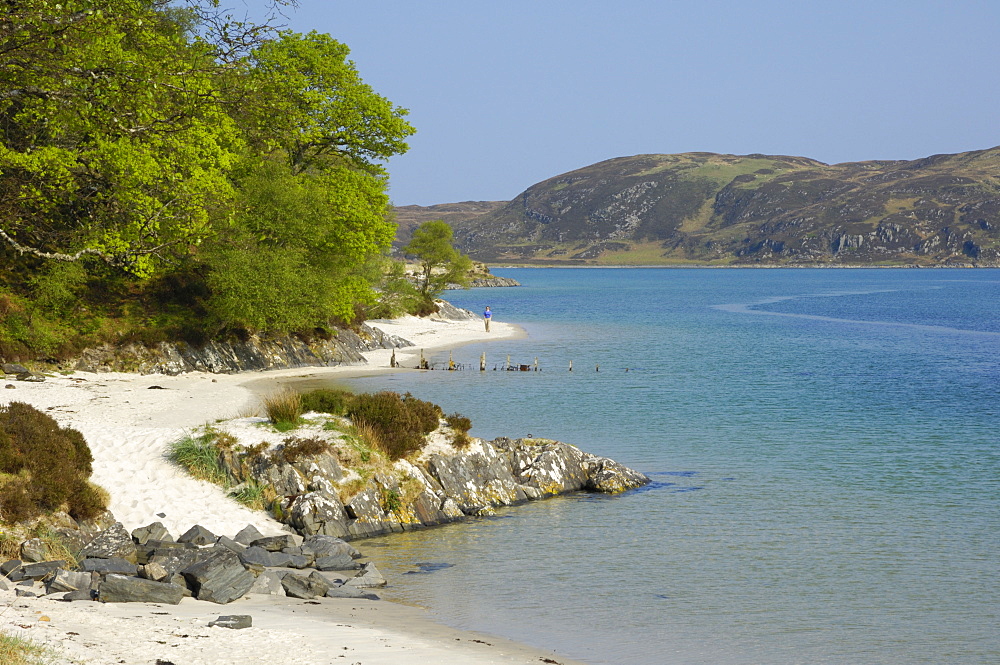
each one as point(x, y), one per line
point(711, 209)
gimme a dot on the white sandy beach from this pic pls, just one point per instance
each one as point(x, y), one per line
point(128, 426)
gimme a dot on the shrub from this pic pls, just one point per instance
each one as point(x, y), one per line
point(283, 407)
point(51, 464)
point(333, 401)
point(251, 494)
point(461, 425)
point(293, 448)
point(400, 422)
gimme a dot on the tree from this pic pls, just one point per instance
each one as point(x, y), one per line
point(440, 263)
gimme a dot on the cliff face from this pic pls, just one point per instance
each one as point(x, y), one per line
point(753, 209)
point(257, 352)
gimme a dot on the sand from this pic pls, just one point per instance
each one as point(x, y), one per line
point(129, 423)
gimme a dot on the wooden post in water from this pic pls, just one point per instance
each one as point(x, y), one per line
point(392, 361)
point(598, 368)
point(571, 365)
point(508, 362)
point(482, 362)
point(451, 363)
point(536, 363)
point(423, 361)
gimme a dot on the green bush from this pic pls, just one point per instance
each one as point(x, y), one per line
point(401, 422)
point(326, 400)
point(461, 425)
point(50, 465)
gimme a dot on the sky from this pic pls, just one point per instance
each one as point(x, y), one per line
point(506, 94)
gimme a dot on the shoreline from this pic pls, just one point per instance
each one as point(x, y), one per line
point(128, 420)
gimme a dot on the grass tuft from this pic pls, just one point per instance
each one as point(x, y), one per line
point(16, 650)
point(200, 456)
point(284, 407)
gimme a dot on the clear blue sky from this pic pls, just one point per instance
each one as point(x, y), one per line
point(505, 94)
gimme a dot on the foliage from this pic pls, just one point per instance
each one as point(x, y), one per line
point(440, 263)
point(327, 400)
point(16, 650)
point(397, 295)
point(283, 407)
point(251, 494)
point(295, 449)
point(461, 425)
point(200, 456)
point(401, 422)
point(49, 467)
point(242, 187)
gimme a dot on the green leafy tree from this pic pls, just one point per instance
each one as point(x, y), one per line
point(440, 263)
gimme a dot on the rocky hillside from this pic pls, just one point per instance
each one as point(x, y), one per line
point(711, 209)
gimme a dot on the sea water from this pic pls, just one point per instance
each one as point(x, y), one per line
point(825, 455)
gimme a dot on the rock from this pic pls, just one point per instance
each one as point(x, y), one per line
point(66, 580)
point(198, 535)
point(3, 585)
point(369, 577)
point(366, 506)
point(24, 593)
point(267, 583)
point(10, 386)
point(321, 545)
point(608, 476)
point(248, 534)
point(12, 570)
point(31, 377)
point(317, 513)
point(36, 571)
point(114, 541)
point(154, 531)
point(234, 621)
point(34, 550)
point(276, 543)
point(124, 589)
point(219, 578)
point(306, 588)
point(80, 594)
point(14, 368)
point(230, 544)
point(257, 555)
point(115, 565)
point(176, 560)
point(336, 562)
point(350, 592)
point(153, 571)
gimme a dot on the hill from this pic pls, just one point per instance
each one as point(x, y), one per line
point(713, 209)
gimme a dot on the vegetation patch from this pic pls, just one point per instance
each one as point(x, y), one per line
point(44, 468)
point(16, 650)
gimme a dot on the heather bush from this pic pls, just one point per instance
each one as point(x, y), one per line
point(48, 467)
point(294, 449)
point(401, 422)
point(324, 400)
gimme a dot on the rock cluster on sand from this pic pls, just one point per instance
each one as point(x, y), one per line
point(149, 565)
point(451, 485)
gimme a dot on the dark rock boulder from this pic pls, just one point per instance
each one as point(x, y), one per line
point(219, 577)
point(198, 535)
point(37, 571)
point(234, 621)
point(247, 535)
point(114, 541)
point(114, 565)
point(305, 587)
point(317, 513)
point(124, 589)
point(154, 531)
point(275, 543)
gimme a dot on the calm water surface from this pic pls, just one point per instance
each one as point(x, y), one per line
point(825, 455)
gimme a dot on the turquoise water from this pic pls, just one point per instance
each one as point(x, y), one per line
point(825, 453)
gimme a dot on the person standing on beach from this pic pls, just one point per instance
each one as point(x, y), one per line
point(487, 315)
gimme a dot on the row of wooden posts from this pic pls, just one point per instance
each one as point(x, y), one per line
point(453, 366)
